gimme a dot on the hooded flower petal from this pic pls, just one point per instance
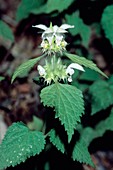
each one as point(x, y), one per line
point(48, 31)
point(41, 26)
point(76, 66)
point(41, 70)
point(58, 30)
point(69, 71)
point(66, 26)
point(55, 28)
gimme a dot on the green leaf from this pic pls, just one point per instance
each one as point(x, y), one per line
point(47, 166)
point(80, 27)
point(105, 125)
point(89, 134)
point(36, 124)
point(6, 32)
point(2, 78)
point(107, 22)
point(53, 5)
point(25, 7)
point(89, 75)
point(102, 95)
point(110, 80)
point(85, 62)
point(56, 141)
point(81, 154)
point(25, 67)
point(19, 144)
point(68, 103)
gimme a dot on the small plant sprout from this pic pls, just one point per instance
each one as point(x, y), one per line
point(53, 38)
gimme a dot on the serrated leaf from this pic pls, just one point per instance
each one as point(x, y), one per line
point(81, 154)
point(68, 103)
point(19, 144)
point(56, 141)
point(25, 7)
point(53, 5)
point(80, 27)
point(25, 67)
point(85, 62)
point(102, 95)
point(107, 22)
point(6, 32)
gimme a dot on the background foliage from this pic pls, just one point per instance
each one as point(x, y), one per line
point(92, 38)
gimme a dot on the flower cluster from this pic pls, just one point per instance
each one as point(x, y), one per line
point(53, 38)
point(56, 71)
point(53, 71)
point(53, 42)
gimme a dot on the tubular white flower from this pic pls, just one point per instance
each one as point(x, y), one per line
point(42, 44)
point(70, 70)
point(53, 38)
point(69, 79)
point(57, 29)
point(54, 29)
point(41, 70)
point(75, 66)
point(40, 26)
point(59, 38)
point(66, 26)
point(50, 39)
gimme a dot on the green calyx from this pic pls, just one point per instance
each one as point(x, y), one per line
point(55, 70)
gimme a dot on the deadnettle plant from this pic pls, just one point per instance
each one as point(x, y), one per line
point(53, 43)
point(57, 92)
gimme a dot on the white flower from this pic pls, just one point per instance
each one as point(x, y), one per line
point(54, 29)
point(41, 70)
point(69, 79)
point(54, 36)
point(59, 38)
point(50, 39)
point(70, 70)
point(72, 66)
